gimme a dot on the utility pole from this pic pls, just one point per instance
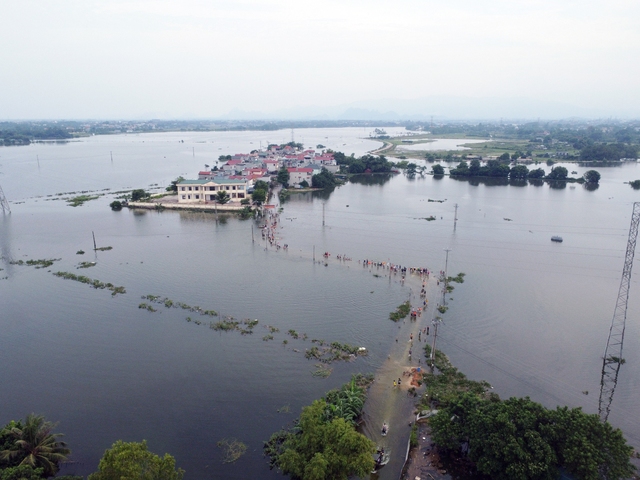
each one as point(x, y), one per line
point(323, 214)
point(194, 151)
point(4, 204)
point(252, 239)
point(455, 218)
point(432, 357)
point(95, 247)
point(38, 158)
point(444, 286)
point(314, 254)
point(111, 153)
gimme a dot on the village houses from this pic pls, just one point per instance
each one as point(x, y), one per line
point(239, 172)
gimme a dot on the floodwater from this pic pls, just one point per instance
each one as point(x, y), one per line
point(532, 316)
point(440, 144)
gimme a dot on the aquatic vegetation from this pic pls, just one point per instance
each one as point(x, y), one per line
point(148, 307)
point(86, 264)
point(44, 263)
point(232, 448)
point(167, 302)
point(103, 249)
point(227, 324)
point(442, 309)
point(293, 334)
point(401, 312)
point(322, 370)
point(91, 282)
point(284, 409)
point(458, 278)
point(334, 352)
point(80, 252)
point(266, 338)
point(80, 199)
point(273, 329)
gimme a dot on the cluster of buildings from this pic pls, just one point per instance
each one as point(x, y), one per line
point(239, 173)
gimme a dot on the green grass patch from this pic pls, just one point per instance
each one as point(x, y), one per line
point(401, 312)
point(81, 199)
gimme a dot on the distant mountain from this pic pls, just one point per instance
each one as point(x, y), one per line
point(438, 107)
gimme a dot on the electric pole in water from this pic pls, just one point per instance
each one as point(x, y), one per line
point(455, 217)
point(612, 359)
point(4, 204)
point(323, 214)
point(436, 321)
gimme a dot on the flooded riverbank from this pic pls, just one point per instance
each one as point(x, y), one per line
point(531, 318)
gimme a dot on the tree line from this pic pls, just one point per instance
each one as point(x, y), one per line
point(30, 450)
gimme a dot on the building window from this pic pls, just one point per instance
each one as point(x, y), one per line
point(233, 188)
point(212, 197)
point(188, 197)
point(241, 195)
point(182, 188)
point(184, 196)
point(241, 187)
point(197, 197)
point(189, 188)
point(233, 195)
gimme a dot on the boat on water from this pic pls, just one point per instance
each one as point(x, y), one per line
point(556, 238)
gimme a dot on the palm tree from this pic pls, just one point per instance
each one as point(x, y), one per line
point(35, 445)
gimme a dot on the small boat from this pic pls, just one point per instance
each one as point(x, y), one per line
point(385, 429)
point(556, 238)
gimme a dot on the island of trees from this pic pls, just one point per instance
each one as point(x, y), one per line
point(518, 438)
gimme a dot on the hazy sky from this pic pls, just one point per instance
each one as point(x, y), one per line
point(193, 58)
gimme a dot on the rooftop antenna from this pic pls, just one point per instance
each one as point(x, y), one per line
point(612, 359)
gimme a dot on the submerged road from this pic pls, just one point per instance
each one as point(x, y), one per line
point(393, 404)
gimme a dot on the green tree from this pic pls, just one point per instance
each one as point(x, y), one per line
point(558, 173)
point(519, 171)
point(222, 197)
point(132, 460)
point(116, 205)
point(411, 170)
point(21, 472)
point(505, 157)
point(259, 196)
point(283, 176)
point(474, 167)
point(591, 176)
point(325, 450)
point(138, 194)
point(324, 179)
point(437, 169)
point(261, 185)
point(536, 173)
point(304, 184)
point(34, 444)
point(173, 187)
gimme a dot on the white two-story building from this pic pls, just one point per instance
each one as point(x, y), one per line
point(206, 190)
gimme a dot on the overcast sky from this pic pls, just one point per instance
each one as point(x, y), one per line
point(205, 58)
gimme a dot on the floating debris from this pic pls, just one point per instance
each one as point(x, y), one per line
point(86, 264)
